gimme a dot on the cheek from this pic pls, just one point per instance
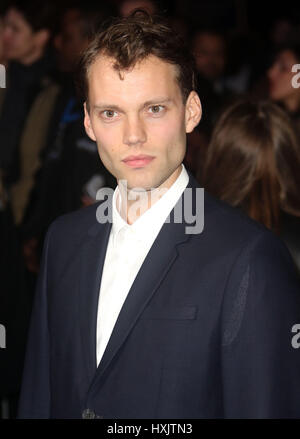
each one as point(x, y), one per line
point(24, 41)
point(282, 83)
point(106, 135)
point(108, 141)
point(168, 135)
point(15, 40)
point(286, 83)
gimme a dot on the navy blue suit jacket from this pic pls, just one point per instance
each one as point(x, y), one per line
point(205, 331)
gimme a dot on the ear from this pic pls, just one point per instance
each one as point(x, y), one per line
point(87, 124)
point(193, 111)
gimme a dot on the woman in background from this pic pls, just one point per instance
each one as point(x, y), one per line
point(284, 83)
point(253, 162)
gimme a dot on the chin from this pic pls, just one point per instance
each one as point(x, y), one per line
point(137, 179)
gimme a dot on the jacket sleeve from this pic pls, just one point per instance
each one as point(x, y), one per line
point(35, 393)
point(260, 361)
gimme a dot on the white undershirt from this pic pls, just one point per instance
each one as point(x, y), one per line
point(127, 248)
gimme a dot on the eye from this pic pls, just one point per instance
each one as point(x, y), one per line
point(108, 114)
point(156, 109)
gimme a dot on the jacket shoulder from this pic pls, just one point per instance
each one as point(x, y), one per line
point(72, 226)
point(223, 220)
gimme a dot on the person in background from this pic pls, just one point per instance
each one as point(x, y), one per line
point(128, 6)
point(283, 84)
point(27, 31)
point(26, 35)
point(210, 52)
point(55, 106)
point(253, 162)
point(77, 25)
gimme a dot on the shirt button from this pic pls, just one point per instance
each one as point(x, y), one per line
point(88, 414)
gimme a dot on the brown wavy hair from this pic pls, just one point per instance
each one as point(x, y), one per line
point(131, 39)
point(253, 161)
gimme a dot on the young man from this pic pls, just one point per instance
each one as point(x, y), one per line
point(152, 316)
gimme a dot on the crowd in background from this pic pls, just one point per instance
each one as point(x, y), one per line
point(245, 151)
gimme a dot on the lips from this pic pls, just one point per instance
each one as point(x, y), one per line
point(138, 161)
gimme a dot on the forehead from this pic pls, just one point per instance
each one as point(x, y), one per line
point(149, 77)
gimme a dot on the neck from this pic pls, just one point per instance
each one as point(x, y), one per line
point(133, 203)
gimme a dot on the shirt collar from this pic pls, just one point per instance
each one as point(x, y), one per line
point(152, 220)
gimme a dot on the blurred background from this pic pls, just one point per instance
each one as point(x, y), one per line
point(245, 150)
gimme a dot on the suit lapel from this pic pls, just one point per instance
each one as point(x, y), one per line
point(92, 260)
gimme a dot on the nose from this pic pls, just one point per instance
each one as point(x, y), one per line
point(134, 131)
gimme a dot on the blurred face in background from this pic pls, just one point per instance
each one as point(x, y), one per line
point(70, 41)
point(209, 53)
point(129, 5)
point(20, 42)
point(280, 77)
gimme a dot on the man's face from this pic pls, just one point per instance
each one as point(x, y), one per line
point(18, 37)
point(70, 41)
point(209, 52)
point(140, 122)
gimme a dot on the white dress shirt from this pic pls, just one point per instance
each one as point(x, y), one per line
point(127, 248)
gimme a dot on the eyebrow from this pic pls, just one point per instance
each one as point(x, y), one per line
point(104, 106)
